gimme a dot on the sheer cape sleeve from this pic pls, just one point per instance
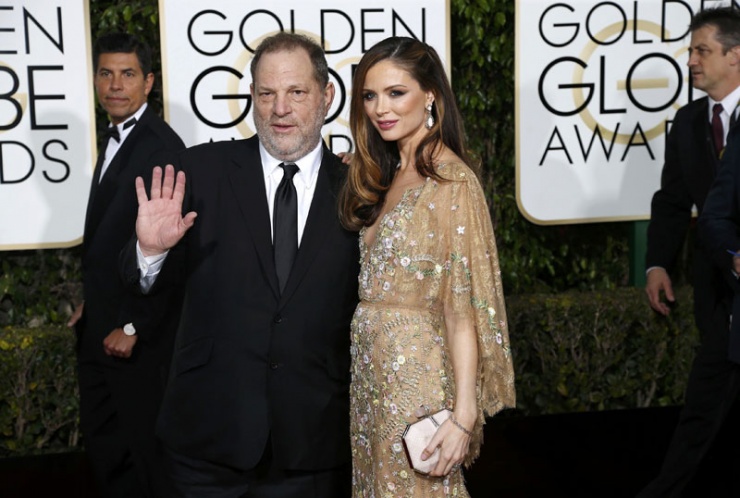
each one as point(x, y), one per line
point(474, 290)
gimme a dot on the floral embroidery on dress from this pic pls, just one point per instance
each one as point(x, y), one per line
point(433, 253)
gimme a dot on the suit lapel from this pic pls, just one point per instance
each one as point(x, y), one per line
point(321, 218)
point(701, 128)
point(248, 187)
point(102, 191)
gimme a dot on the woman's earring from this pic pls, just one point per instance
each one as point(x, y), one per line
point(430, 119)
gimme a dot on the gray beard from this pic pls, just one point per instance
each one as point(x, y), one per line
point(294, 150)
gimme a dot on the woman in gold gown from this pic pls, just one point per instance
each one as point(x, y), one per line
point(430, 330)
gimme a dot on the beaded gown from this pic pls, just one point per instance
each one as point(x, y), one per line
point(434, 253)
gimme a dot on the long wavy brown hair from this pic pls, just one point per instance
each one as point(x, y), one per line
point(374, 163)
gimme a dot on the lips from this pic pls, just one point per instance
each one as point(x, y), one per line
point(282, 127)
point(386, 125)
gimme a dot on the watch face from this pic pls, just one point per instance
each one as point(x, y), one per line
point(129, 329)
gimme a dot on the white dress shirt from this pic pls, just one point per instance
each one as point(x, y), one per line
point(113, 146)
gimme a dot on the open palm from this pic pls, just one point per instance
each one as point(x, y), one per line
point(160, 223)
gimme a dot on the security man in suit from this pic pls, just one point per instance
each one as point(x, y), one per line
point(124, 342)
point(257, 402)
point(695, 144)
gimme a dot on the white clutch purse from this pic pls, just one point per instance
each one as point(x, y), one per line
point(417, 436)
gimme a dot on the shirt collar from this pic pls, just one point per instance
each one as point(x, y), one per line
point(308, 165)
point(729, 103)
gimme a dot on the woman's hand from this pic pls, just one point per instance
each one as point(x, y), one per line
point(453, 444)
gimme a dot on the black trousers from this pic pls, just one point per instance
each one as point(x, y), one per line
point(711, 392)
point(195, 478)
point(118, 411)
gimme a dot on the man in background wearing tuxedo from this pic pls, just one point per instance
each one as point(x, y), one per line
point(124, 341)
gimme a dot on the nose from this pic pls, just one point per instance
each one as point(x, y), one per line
point(381, 106)
point(281, 105)
point(692, 59)
point(116, 82)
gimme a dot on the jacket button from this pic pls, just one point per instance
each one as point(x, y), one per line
point(278, 319)
point(273, 365)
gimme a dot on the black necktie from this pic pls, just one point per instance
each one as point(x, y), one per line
point(285, 224)
point(718, 133)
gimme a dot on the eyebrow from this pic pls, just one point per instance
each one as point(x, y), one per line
point(391, 87)
point(105, 68)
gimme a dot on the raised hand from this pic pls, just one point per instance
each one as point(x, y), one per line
point(160, 224)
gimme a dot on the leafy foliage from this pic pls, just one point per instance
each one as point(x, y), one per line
point(38, 287)
point(38, 391)
point(599, 350)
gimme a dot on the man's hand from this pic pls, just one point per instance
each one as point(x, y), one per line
point(160, 224)
point(76, 315)
point(118, 344)
point(657, 281)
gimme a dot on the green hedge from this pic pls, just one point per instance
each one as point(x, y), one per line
point(599, 351)
point(38, 391)
point(572, 352)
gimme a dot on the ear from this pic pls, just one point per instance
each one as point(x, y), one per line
point(734, 54)
point(329, 95)
point(430, 98)
point(148, 82)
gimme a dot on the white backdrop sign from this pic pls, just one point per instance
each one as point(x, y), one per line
point(598, 83)
point(207, 49)
point(47, 132)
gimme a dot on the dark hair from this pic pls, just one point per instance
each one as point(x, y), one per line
point(727, 22)
point(291, 41)
point(374, 163)
point(115, 43)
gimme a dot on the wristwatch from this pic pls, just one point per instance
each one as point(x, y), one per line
point(129, 329)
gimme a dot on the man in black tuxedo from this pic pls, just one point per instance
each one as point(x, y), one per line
point(694, 145)
point(257, 403)
point(124, 342)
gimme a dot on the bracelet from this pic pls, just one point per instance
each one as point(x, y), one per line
point(459, 425)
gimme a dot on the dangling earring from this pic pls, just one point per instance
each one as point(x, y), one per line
point(429, 123)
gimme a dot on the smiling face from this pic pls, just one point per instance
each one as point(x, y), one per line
point(121, 85)
point(289, 104)
point(395, 103)
point(712, 70)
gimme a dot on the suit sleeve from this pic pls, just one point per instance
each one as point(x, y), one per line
point(720, 220)
point(670, 210)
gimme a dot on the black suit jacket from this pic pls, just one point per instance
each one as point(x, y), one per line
point(248, 361)
point(720, 227)
point(109, 225)
point(690, 167)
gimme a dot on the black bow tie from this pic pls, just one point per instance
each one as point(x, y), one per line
point(112, 131)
